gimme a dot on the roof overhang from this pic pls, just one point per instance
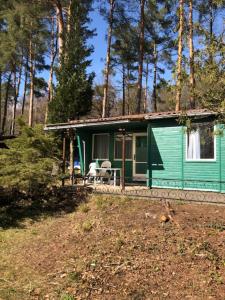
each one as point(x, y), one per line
point(84, 125)
point(129, 119)
point(200, 113)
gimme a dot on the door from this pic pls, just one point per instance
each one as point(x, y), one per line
point(140, 156)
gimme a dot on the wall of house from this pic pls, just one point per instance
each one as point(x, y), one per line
point(169, 168)
point(202, 175)
point(166, 156)
point(222, 159)
point(167, 164)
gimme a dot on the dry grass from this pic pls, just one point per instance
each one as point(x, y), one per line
point(115, 248)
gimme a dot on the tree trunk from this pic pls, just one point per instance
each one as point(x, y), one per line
point(108, 60)
point(0, 102)
point(69, 17)
point(32, 71)
point(25, 84)
point(124, 91)
point(210, 30)
point(6, 102)
point(154, 94)
point(128, 90)
point(60, 24)
point(146, 88)
point(179, 60)
point(191, 53)
point(17, 89)
point(141, 57)
point(50, 81)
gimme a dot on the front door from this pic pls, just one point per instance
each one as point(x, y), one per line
point(140, 156)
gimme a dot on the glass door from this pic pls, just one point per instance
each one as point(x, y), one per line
point(140, 156)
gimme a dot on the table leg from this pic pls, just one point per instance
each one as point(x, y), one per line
point(114, 177)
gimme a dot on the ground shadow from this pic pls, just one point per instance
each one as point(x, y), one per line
point(55, 202)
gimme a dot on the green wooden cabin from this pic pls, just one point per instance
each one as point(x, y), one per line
point(160, 151)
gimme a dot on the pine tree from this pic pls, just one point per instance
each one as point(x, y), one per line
point(108, 58)
point(179, 59)
point(74, 92)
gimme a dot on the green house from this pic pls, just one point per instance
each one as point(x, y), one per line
point(159, 150)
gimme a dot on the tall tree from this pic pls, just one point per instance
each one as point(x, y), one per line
point(141, 55)
point(179, 59)
point(191, 56)
point(108, 58)
point(74, 92)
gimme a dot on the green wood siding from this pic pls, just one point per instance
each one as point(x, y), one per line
point(166, 156)
point(203, 175)
point(169, 167)
point(167, 164)
point(222, 157)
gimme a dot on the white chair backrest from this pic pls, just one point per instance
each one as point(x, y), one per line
point(92, 169)
point(106, 164)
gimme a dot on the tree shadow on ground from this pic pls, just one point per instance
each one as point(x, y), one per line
point(56, 202)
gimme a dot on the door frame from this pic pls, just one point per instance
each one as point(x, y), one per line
point(137, 177)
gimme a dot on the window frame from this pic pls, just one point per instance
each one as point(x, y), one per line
point(201, 159)
point(114, 154)
point(93, 145)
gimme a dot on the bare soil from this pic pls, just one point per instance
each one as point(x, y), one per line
point(114, 248)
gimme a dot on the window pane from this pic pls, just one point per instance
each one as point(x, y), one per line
point(141, 148)
point(118, 147)
point(101, 146)
point(206, 142)
point(200, 142)
point(129, 149)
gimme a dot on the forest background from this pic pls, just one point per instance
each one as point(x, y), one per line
point(66, 59)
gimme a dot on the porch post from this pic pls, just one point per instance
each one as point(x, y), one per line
point(64, 158)
point(71, 134)
point(123, 158)
point(149, 164)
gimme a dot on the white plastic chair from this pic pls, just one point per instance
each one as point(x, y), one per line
point(105, 173)
point(92, 171)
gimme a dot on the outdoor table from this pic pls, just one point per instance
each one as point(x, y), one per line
point(113, 170)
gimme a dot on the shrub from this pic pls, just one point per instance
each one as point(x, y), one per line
point(27, 165)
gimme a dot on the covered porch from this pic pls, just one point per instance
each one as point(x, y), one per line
point(121, 141)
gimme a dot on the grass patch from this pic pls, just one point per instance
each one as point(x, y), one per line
point(87, 226)
point(67, 297)
point(74, 276)
point(219, 226)
point(84, 208)
point(105, 202)
point(120, 242)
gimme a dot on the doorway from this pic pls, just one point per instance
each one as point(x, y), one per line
point(139, 156)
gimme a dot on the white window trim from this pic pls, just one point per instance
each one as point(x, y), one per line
point(203, 159)
point(120, 159)
point(93, 135)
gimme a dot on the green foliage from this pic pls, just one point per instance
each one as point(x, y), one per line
point(28, 164)
point(74, 90)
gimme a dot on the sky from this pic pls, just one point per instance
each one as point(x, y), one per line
point(100, 45)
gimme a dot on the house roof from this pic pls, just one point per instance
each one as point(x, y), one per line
point(128, 118)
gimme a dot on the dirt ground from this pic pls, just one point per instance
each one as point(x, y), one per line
point(112, 248)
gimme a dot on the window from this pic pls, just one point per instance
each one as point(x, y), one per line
point(118, 147)
point(201, 142)
point(101, 146)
